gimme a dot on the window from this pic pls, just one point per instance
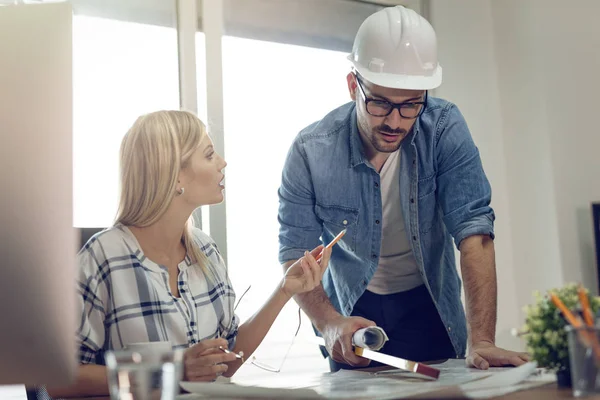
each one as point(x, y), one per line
point(120, 71)
point(271, 92)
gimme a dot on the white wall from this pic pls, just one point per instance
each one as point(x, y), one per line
point(529, 161)
point(465, 45)
point(549, 58)
point(570, 60)
point(525, 75)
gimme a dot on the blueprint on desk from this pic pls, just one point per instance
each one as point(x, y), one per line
point(391, 384)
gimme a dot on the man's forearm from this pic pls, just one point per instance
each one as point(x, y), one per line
point(478, 268)
point(315, 304)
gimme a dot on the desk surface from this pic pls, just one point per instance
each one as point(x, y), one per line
point(548, 392)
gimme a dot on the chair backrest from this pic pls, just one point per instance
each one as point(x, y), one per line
point(86, 234)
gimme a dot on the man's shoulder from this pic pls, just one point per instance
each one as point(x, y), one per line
point(438, 107)
point(332, 124)
point(439, 114)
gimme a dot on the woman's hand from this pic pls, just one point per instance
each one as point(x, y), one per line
point(306, 273)
point(205, 361)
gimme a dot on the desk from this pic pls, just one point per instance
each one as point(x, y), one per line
point(548, 392)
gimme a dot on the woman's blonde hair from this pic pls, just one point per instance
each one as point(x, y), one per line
point(153, 152)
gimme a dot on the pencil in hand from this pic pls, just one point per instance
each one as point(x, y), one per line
point(331, 244)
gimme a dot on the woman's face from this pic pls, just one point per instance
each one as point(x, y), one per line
point(202, 177)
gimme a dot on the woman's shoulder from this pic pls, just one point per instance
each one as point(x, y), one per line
point(104, 248)
point(201, 238)
point(205, 242)
point(207, 245)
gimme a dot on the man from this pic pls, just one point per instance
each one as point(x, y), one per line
point(399, 171)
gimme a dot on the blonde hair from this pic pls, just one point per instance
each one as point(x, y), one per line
point(152, 154)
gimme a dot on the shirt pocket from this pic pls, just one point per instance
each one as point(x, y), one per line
point(427, 202)
point(337, 218)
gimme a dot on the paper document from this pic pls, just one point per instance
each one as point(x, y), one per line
point(455, 378)
point(372, 338)
point(221, 390)
point(13, 392)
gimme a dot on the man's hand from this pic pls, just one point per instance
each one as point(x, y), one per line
point(483, 355)
point(338, 339)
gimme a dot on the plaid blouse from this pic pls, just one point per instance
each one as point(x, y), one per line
point(125, 298)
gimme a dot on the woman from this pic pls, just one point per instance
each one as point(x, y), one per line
point(152, 277)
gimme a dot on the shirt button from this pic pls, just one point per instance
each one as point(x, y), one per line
point(377, 221)
point(374, 256)
point(412, 200)
point(345, 222)
point(414, 238)
point(364, 282)
point(414, 162)
point(449, 329)
point(376, 184)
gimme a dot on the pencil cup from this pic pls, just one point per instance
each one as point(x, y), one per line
point(584, 357)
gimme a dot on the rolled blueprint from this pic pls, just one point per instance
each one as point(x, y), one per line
point(372, 338)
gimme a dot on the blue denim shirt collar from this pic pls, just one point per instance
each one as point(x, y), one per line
point(357, 154)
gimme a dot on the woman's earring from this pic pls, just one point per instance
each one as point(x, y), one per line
point(180, 191)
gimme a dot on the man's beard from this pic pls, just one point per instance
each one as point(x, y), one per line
point(380, 144)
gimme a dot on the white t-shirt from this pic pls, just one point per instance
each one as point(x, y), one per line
point(397, 270)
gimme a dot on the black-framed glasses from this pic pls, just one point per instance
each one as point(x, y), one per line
point(383, 108)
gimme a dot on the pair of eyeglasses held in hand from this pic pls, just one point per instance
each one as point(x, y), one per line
point(254, 361)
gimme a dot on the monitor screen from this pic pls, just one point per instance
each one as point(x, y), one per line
point(596, 219)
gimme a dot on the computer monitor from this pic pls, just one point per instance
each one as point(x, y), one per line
point(37, 240)
point(596, 221)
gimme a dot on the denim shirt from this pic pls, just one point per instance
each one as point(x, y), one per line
point(329, 185)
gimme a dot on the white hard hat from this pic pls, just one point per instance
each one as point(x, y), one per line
point(397, 48)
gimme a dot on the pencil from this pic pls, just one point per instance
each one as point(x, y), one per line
point(576, 322)
point(585, 306)
point(589, 339)
point(331, 244)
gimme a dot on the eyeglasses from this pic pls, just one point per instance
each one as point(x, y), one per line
point(383, 108)
point(269, 368)
point(264, 366)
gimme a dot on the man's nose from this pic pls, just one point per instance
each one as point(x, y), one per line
point(394, 119)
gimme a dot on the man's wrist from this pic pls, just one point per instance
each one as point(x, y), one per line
point(481, 341)
point(322, 323)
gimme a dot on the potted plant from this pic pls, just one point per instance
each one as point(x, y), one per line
point(545, 333)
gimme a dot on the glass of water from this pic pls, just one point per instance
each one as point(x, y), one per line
point(144, 374)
